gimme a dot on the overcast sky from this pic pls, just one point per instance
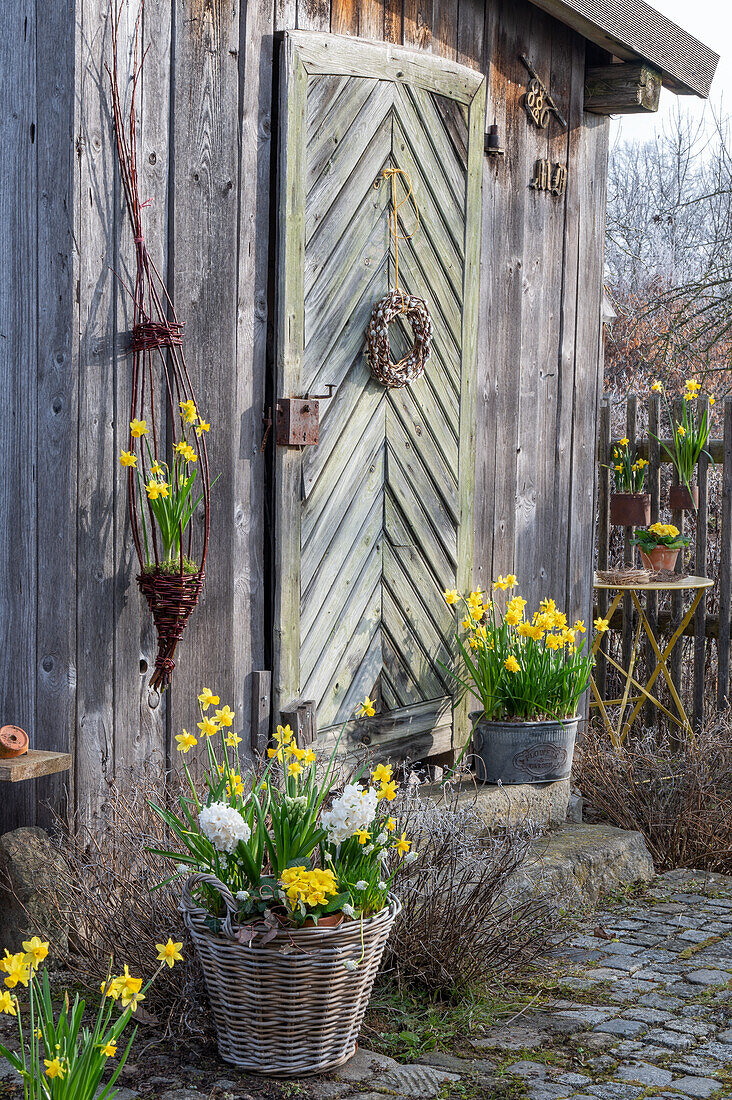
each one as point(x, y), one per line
point(711, 22)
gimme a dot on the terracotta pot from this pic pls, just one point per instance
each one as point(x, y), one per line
point(630, 509)
point(13, 742)
point(330, 920)
point(660, 558)
point(681, 500)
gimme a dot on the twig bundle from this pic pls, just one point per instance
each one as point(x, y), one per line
point(161, 500)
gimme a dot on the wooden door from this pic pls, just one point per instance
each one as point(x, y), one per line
point(374, 522)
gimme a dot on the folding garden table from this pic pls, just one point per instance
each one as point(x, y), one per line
point(619, 731)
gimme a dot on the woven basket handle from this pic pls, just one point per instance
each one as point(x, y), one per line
point(188, 904)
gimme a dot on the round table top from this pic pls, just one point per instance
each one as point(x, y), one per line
point(657, 586)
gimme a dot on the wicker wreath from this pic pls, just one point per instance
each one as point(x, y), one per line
point(411, 366)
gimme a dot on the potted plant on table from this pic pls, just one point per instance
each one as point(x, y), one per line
point(287, 897)
point(659, 546)
point(528, 676)
point(629, 505)
point(690, 435)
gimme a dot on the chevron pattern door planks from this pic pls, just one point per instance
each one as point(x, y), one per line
point(374, 522)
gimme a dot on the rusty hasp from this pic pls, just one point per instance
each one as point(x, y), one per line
point(298, 419)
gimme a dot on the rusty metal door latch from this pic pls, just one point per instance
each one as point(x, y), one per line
point(297, 419)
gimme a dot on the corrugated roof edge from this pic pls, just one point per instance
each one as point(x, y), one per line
point(632, 30)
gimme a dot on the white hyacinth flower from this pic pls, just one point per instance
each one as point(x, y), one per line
point(223, 826)
point(349, 910)
point(410, 857)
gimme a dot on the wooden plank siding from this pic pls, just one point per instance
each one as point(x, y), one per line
point(77, 642)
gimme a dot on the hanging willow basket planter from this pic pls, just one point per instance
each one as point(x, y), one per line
point(168, 479)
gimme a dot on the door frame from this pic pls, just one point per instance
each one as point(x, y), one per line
point(303, 53)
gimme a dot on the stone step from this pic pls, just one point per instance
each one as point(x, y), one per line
point(541, 805)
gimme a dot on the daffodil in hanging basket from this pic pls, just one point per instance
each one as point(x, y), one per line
point(287, 894)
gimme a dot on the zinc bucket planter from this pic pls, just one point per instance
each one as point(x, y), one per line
point(523, 752)
point(681, 500)
point(287, 1007)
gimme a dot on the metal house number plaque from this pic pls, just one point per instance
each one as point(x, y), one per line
point(549, 177)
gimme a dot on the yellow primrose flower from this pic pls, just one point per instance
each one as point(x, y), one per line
point(54, 1068)
point(203, 426)
point(225, 716)
point(156, 489)
point(232, 740)
point(390, 825)
point(509, 581)
point(35, 951)
point(188, 411)
point(186, 741)
point(208, 699)
point(657, 387)
point(451, 595)
point(403, 845)
point(7, 1003)
point(364, 836)
point(601, 625)
point(207, 727)
point(511, 664)
point(110, 1048)
point(138, 428)
point(387, 791)
point(128, 459)
point(382, 773)
point(169, 953)
point(367, 709)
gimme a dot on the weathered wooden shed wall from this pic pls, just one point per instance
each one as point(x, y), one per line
point(76, 646)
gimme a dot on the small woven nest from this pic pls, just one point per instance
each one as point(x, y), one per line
point(411, 366)
point(624, 576)
point(171, 598)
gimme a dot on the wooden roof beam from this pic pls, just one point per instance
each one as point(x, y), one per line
point(634, 31)
point(624, 89)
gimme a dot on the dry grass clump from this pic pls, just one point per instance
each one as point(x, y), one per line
point(678, 794)
point(114, 907)
point(458, 929)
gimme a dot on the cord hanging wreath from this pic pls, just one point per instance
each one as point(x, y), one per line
point(398, 304)
point(164, 421)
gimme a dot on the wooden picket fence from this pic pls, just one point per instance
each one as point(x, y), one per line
point(699, 667)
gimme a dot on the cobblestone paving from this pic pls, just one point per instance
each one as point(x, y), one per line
point(646, 1012)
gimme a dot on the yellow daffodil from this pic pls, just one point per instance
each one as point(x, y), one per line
point(624, 441)
point(601, 625)
point(712, 399)
point(35, 951)
point(186, 451)
point(310, 757)
point(54, 1068)
point(235, 785)
point(272, 753)
point(294, 767)
point(157, 489)
point(681, 430)
point(207, 727)
point(138, 428)
point(17, 970)
point(7, 1003)
point(203, 426)
point(387, 791)
point(553, 641)
point(186, 741)
point(296, 752)
point(451, 595)
point(511, 664)
point(208, 699)
point(188, 411)
point(657, 387)
point(128, 459)
point(110, 1048)
point(232, 740)
point(367, 708)
point(403, 845)
point(169, 953)
point(382, 773)
point(129, 989)
point(156, 469)
point(579, 625)
point(506, 582)
point(466, 624)
point(364, 836)
point(513, 617)
point(225, 716)
point(516, 603)
point(618, 468)
point(390, 825)
point(283, 734)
